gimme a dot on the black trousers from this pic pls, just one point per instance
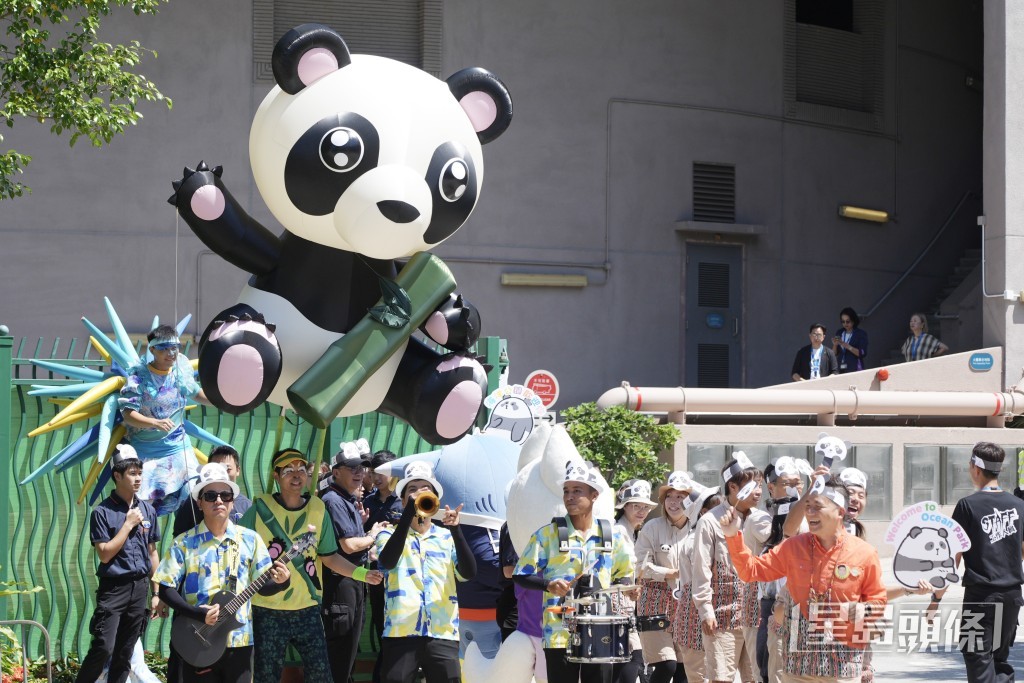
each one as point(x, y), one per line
point(988, 626)
point(343, 612)
point(376, 596)
point(402, 657)
point(234, 666)
point(115, 626)
point(630, 671)
point(562, 671)
point(762, 637)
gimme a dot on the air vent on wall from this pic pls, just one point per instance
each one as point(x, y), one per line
point(409, 31)
point(713, 285)
point(714, 192)
point(713, 366)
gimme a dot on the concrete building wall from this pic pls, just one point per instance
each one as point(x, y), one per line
point(613, 103)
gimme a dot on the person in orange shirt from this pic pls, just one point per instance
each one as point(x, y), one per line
point(835, 581)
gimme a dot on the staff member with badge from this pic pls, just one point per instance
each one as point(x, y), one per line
point(833, 577)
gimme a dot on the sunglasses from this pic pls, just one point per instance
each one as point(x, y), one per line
point(166, 346)
point(212, 496)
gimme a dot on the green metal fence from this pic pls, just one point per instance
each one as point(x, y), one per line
point(47, 534)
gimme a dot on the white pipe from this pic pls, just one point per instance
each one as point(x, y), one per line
point(814, 401)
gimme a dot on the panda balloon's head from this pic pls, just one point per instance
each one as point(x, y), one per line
point(368, 154)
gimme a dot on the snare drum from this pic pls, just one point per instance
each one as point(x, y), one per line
point(598, 639)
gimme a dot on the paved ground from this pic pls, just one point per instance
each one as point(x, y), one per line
point(941, 663)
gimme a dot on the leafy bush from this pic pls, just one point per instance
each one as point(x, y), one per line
point(624, 444)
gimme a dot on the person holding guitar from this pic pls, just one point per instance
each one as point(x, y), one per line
point(217, 567)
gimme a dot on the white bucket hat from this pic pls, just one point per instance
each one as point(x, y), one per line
point(579, 471)
point(213, 473)
point(678, 481)
point(123, 452)
point(634, 491)
point(419, 469)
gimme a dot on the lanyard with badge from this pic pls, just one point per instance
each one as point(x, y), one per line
point(846, 337)
point(816, 362)
point(819, 602)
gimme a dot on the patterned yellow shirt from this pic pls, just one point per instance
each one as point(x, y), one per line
point(419, 593)
point(200, 566)
point(543, 558)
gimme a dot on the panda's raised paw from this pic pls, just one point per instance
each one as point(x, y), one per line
point(455, 324)
point(197, 192)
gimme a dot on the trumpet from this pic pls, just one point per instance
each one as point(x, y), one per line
point(426, 504)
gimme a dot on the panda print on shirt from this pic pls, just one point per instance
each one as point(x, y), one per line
point(366, 162)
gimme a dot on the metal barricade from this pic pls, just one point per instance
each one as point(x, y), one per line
point(25, 623)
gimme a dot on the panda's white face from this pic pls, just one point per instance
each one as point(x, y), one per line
point(376, 158)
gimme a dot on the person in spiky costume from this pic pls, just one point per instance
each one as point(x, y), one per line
point(152, 403)
point(115, 392)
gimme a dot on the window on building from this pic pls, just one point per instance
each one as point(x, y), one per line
point(941, 473)
point(837, 14)
point(875, 460)
point(834, 62)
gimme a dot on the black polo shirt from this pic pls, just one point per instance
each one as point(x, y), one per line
point(132, 561)
point(388, 510)
point(341, 506)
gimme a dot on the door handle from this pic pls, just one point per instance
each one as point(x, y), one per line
point(735, 327)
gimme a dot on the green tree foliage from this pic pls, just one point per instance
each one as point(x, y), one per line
point(55, 70)
point(623, 443)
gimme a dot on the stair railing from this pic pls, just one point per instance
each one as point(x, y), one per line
point(935, 238)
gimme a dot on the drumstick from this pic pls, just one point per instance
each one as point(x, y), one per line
point(582, 573)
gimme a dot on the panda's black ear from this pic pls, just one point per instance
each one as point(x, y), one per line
point(485, 99)
point(307, 53)
point(915, 532)
point(943, 532)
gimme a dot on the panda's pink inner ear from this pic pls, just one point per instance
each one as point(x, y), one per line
point(315, 64)
point(480, 108)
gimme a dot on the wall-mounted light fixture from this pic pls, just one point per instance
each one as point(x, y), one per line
point(543, 280)
point(862, 214)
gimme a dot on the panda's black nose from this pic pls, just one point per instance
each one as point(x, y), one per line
point(398, 211)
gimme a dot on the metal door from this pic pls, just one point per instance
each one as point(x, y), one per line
point(713, 315)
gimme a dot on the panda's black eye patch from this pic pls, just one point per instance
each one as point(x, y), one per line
point(454, 180)
point(341, 149)
point(324, 162)
point(929, 546)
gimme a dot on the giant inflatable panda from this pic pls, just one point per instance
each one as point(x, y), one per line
point(365, 161)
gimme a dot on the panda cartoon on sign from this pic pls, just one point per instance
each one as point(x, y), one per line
point(925, 555)
point(366, 162)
